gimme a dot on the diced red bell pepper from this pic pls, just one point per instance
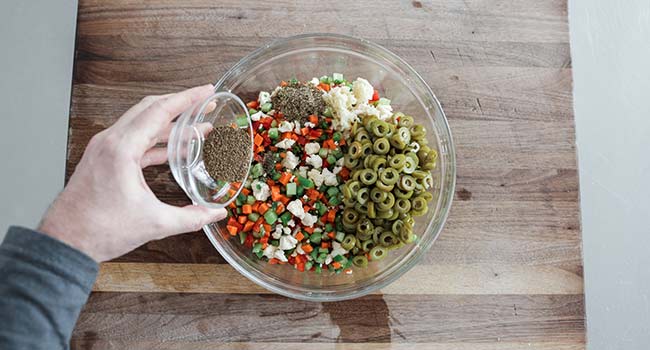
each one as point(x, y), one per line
point(375, 95)
point(249, 241)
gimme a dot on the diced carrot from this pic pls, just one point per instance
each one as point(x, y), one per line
point(258, 224)
point(274, 261)
point(242, 219)
point(283, 155)
point(232, 230)
point(309, 230)
point(248, 226)
point(325, 87)
point(312, 194)
point(259, 149)
point(252, 104)
point(232, 221)
point(299, 236)
point(267, 229)
point(284, 179)
point(307, 248)
point(313, 119)
point(232, 205)
point(300, 267)
point(342, 142)
point(336, 265)
point(278, 166)
point(283, 83)
point(345, 173)
point(331, 235)
point(331, 215)
point(255, 206)
point(258, 140)
point(270, 182)
point(263, 208)
point(246, 209)
point(284, 199)
point(275, 190)
point(324, 245)
point(279, 209)
point(304, 131)
point(245, 191)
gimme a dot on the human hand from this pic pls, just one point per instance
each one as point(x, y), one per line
point(107, 209)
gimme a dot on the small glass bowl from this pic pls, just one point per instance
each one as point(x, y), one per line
point(185, 149)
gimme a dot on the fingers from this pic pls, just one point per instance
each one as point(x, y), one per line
point(136, 109)
point(189, 218)
point(154, 156)
point(163, 135)
point(156, 117)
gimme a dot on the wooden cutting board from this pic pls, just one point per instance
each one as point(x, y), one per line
point(506, 273)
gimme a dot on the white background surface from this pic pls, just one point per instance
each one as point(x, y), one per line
point(611, 60)
point(610, 43)
point(37, 41)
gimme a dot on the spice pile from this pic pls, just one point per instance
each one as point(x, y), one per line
point(337, 177)
point(226, 151)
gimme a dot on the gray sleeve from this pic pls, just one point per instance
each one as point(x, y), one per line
point(44, 283)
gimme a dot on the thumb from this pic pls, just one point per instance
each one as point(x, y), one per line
point(190, 218)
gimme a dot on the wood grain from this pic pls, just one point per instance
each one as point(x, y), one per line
point(435, 279)
point(376, 319)
point(201, 345)
point(506, 273)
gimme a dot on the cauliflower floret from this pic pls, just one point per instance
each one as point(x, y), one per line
point(299, 249)
point(290, 161)
point(328, 259)
point(302, 171)
point(329, 178)
point(315, 160)
point(341, 100)
point(297, 127)
point(278, 232)
point(256, 116)
point(295, 208)
point(315, 176)
point(261, 190)
point(269, 250)
point(314, 81)
point(285, 126)
point(366, 109)
point(337, 249)
point(362, 89)
point(264, 97)
point(279, 254)
point(339, 163)
point(310, 125)
point(385, 111)
point(309, 220)
point(312, 148)
point(287, 242)
point(291, 223)
point(285, 144)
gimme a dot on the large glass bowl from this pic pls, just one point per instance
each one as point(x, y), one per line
point(314, 55)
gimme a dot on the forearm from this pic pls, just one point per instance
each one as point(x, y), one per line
point(43, 286)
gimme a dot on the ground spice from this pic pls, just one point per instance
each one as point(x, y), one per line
point(226, 153)
point(299, 101)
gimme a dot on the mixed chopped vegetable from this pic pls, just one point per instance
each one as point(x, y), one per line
point(336, 177)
